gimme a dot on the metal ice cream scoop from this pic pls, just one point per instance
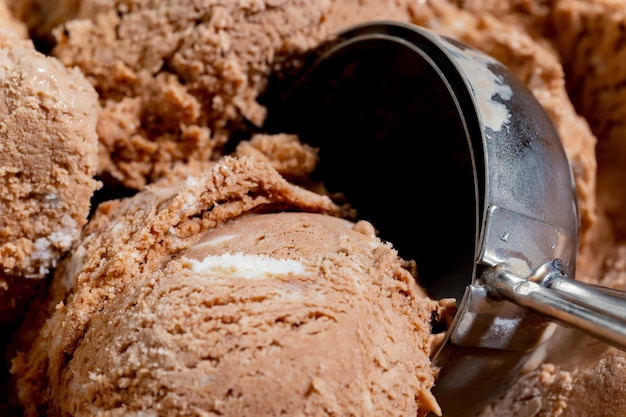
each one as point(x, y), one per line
point(457, 164)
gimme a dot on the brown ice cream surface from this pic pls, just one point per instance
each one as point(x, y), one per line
point(48, 157)
point(176, 79)
point(201, 297)
point(570, 54)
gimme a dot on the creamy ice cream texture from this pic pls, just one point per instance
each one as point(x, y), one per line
point(555, 48)
point(48, 157)
point(199, 297)
point(175, 78)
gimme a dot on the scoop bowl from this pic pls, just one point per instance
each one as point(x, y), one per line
point(454, 161)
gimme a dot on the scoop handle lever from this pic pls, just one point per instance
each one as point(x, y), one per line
point(598, 311)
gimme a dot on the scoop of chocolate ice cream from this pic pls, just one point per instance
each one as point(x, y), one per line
point(270, 314)
point(48, 157)
point(203, 297)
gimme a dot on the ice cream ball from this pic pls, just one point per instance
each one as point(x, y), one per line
point(176, 308)
point(272, 314)
point(48, 159)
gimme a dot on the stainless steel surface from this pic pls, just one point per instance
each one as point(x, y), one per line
point(599, 313)
point(437, 121)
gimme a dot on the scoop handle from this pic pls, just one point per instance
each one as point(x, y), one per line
point(598, 311)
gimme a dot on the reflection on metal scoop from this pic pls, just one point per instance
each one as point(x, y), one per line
point(458, 165)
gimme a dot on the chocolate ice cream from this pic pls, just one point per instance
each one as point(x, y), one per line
point(202, 297)
point(48, 157)
point(176, 79)
point(178, 83)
